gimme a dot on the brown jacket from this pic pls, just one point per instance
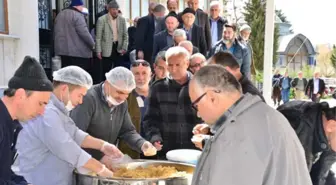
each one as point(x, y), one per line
point(135, 114)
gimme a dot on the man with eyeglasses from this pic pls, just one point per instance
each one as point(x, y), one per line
point(104, 114)
point(196, 62)
point(137, 101)
point(252, 142)
point(169, 118)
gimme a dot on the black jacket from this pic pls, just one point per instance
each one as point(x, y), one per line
point(144, 36)
point(160, 42)
point(198, 38)
point(306, 119)
point(131, 38)
point(248, 87)
point(310, 87)
point(9, 130)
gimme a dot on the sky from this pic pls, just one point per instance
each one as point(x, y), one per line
point(314, 19)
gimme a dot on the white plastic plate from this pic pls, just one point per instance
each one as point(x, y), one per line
point(184, 155)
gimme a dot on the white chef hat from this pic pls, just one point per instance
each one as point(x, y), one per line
point(121, 78)
point(73, 75)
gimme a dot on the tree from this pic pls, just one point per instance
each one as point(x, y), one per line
point(255, 14)
point(283, 18)
point(333, 57)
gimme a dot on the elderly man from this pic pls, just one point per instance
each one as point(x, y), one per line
point(111, 38)
point(244, 36)
point(160, 67)
point(71, 31)
point(165, 37)
point(169, 118)
point(202, 20)
point(216, 22)
point(196, 62)
point(54, 140)
point(241, 127)
point(230, 44)
point(299, 84)
point(189, 47)
point(27, 95)
point(180, 36)
point(315, 88)
point(195, 33)
point(137, 101)
point(104, 115)
point(147, 27)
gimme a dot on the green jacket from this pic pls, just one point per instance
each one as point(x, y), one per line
point(135, 114)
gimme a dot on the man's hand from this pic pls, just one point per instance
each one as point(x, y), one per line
point(141, 55)
point(201, 129)
point(122, 52)
point(158, 145)
point(318, 95)
point(198, 140)
point(99, 56)
point(148, 149)
point(111, 150)
point(105, 172)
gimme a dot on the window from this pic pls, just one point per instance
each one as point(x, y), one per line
point(3, 17)
point(135, 8)
point(144, 7)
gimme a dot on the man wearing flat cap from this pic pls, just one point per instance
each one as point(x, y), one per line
point(195, 33)
point(27, 95)
point(111, 37)
point(165, 37)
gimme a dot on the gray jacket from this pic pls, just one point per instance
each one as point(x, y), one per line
point(71, 34)
point(96, 118)
point(104, 35)
point(253, 144)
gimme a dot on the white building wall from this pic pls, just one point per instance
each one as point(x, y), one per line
point(23, 37)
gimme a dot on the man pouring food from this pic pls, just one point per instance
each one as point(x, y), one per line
point(104, 114)
point(52, 144)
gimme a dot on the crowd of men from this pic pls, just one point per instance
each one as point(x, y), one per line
point(177, 98)
point(111, 43)
point(313, 89)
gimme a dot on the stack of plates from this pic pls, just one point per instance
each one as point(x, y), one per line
point(184, 156)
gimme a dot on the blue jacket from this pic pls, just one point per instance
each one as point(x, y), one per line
point(9, 130)
point(240, 52)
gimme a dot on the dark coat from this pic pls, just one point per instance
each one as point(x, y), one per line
point(306, 119)
point(220, 27)
point(295, 81)
point(248, 87)
point(9, 130)
point(131, 38)
point(144, 36)
point(203, 22)
point(310, 87)
point(198, 38)
point(160, 42)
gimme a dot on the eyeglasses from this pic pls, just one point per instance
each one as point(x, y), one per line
point(194, 103)
point(138, 63)
point(197, 65)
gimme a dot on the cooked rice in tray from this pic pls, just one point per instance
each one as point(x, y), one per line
point(148, 172)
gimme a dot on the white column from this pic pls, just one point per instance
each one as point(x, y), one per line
point(29, 30)
point(268, 51)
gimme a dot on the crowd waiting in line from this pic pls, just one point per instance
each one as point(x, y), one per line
point(175, 99)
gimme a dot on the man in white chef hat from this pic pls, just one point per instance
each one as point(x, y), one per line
point(104, 114)
point(50, 146)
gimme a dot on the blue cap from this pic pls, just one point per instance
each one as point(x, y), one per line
point(76, 3)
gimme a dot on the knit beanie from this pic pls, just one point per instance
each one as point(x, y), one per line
point(30, 76)
point(172, 14)
point(188, 10)
point(76, 3)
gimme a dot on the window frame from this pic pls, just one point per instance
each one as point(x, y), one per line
point(5, 5)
